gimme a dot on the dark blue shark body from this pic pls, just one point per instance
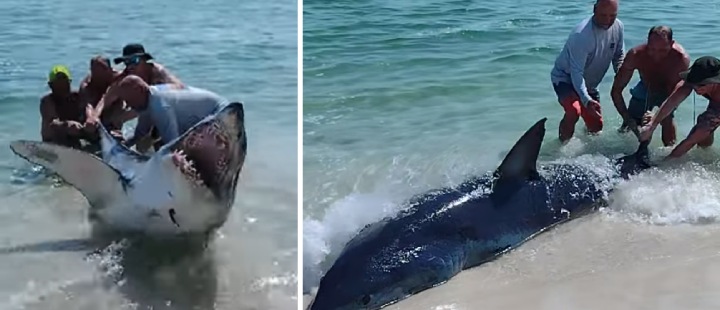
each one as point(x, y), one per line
point(446, 231)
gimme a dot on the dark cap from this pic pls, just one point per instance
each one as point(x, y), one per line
point(131, 50)
point(705, 70)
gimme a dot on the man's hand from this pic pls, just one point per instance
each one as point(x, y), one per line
point(117, 134)
point(74, 127)
point(593, 106)
point(91, 116)
point(628, 124)
point(647, 117)
point(647, 132)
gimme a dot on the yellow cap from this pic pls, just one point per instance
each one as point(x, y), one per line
point(58, 69)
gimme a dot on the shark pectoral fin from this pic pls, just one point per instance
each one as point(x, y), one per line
point(86, 172)
point(520, 164)
point(107, 142)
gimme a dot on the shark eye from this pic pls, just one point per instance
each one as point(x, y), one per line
point(365, 300)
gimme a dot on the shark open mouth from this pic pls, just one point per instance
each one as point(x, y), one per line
point(202, 156)
point(187, 167)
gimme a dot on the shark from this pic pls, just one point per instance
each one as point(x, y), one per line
point(187, 187)
point(442, 232)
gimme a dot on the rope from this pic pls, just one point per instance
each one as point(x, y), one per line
point(694, 118)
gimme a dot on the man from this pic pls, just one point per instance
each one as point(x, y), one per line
point(62, 115)
point(94, 86)
point(170, 108)
point(591, 47)
point(704, 78)
point(659, 63)
point(140, 63)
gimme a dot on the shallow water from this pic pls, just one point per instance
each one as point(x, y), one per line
point(403, 97)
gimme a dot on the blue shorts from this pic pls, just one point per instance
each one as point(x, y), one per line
point(642, 101)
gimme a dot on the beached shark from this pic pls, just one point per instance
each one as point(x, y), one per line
point(445, 231)
point(186, 187)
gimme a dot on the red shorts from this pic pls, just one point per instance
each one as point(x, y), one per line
point(570, 101)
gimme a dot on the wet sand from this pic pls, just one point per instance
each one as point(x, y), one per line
point(598, 262)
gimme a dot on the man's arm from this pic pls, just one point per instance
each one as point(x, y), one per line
point(619, 55)
point(622, 78)
point(674, 75)
point(110, 96)
point(681, 92)
point(83, 91)
point(577, 48)
point(142, 129)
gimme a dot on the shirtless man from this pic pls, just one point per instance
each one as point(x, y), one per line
point(659, 63)
point(704, 78)
point(138, 62)
point(93, 88)
point(61, 111)
point(170, 108)
point(593, 45)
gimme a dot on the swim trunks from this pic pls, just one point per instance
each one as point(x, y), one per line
point(570, 101)
point(642, 101)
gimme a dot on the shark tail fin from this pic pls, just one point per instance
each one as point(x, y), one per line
point(86, 172)
point(636, 162)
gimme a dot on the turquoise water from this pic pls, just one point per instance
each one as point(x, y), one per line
point(404, 96)
point(242, 50)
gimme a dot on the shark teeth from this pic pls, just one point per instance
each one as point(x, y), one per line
point(187, 167)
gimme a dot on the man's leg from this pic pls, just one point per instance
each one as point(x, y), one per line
point(570, 103)
point(669, 131)
point(572, 115)
point(669, 128)
point(593, 121)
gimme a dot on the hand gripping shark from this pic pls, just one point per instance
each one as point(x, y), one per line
point(446, 231)
point(186, 187)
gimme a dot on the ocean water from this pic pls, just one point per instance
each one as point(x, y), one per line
point(404, 96)
point(243, 50)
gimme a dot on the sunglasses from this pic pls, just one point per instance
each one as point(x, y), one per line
point(133, 60)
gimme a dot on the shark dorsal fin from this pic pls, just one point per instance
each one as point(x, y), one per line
point(520, 164)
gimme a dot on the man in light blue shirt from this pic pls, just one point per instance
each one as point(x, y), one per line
point(592, 46)
point(170, 108)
